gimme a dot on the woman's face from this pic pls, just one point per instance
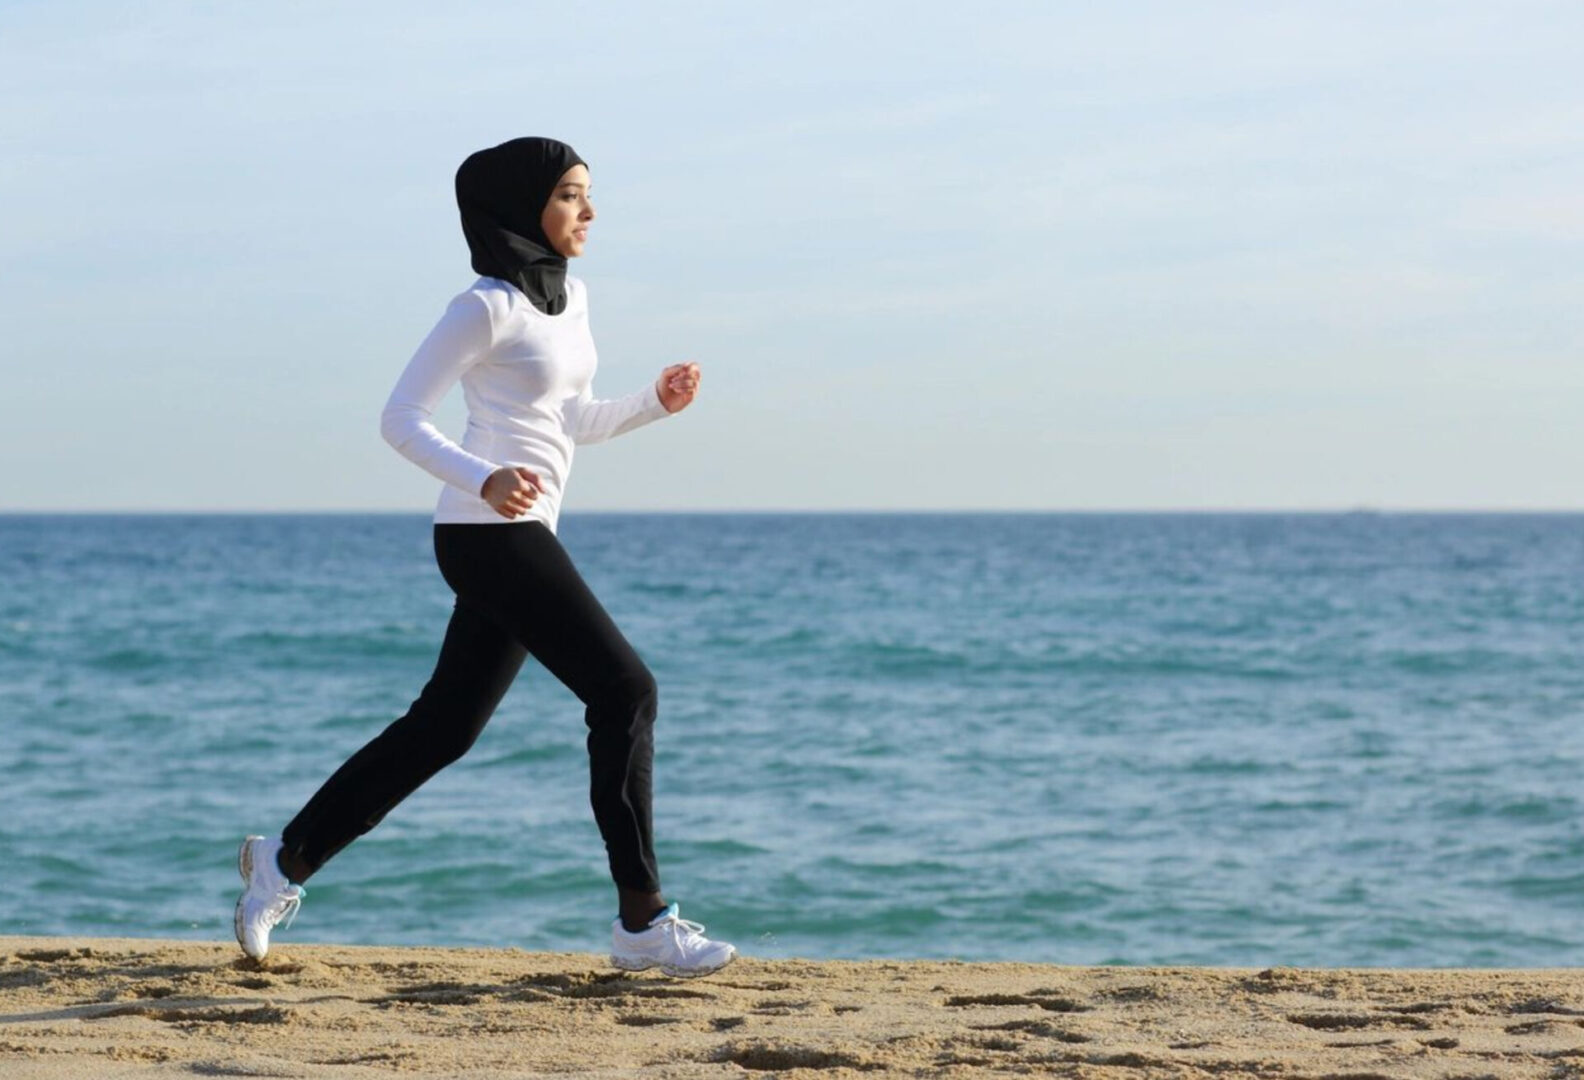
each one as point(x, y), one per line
point(567, 215)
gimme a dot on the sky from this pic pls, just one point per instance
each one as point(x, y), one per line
point(1022, 256)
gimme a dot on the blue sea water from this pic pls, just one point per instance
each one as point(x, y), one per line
point(1143, 739)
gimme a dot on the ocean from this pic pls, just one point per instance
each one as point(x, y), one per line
point(1218, 739)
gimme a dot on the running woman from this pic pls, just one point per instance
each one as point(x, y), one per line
point(518, 340)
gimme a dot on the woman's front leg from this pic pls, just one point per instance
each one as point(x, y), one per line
point(563, 625)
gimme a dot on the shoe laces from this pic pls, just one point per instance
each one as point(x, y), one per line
point(285, 906)
point(683, 931)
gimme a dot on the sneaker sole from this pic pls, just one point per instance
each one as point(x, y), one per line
point(667, 969)
point(245, 868)
point(245, 859)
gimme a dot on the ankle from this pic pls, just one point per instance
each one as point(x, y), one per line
point(291, 867)
point(637, 908)
point(641, 923)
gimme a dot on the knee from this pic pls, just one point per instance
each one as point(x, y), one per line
point(450, 744)
point(632, 698)
point(440, 736)
point(641, 695)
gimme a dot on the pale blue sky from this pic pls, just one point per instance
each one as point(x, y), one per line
point(1039, 255)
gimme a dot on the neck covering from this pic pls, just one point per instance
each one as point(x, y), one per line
point(502, 193)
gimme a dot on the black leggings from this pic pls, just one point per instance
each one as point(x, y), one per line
point(517, 593)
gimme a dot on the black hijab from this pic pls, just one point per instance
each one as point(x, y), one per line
point(502, 192)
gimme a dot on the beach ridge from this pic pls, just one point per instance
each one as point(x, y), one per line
point(77, 1006)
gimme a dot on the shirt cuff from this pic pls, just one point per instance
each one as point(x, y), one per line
point(476, 475)
point(654, 406)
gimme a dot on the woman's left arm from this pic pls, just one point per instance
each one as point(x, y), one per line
point(596, 420)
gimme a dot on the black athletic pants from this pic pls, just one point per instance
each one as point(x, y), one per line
point(517, 593)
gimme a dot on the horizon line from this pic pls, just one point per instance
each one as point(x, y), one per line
point(1361, 511)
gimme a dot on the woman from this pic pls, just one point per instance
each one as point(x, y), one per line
point(518, 340)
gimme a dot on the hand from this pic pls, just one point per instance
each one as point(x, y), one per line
point(678, 385)
point(511, 490)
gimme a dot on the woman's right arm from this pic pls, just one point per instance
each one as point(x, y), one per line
point(459, 340)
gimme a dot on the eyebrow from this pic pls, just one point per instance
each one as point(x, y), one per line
point(571, 184)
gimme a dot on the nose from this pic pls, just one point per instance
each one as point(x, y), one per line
point(588, 212)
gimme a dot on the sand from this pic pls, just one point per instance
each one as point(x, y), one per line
point(110, 1008)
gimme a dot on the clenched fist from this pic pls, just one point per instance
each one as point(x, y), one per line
point(678, 385)
point(511, 490)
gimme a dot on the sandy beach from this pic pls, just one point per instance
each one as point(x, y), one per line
point(73, 1007)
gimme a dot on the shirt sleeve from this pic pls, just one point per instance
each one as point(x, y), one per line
point(459, 340)
point(595, 420)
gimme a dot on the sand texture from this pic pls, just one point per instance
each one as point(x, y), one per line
point(110, 1008)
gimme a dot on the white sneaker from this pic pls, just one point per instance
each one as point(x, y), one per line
point(268, 898)
point(671, 943)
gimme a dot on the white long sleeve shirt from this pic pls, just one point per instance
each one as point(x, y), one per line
point(527, 379)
